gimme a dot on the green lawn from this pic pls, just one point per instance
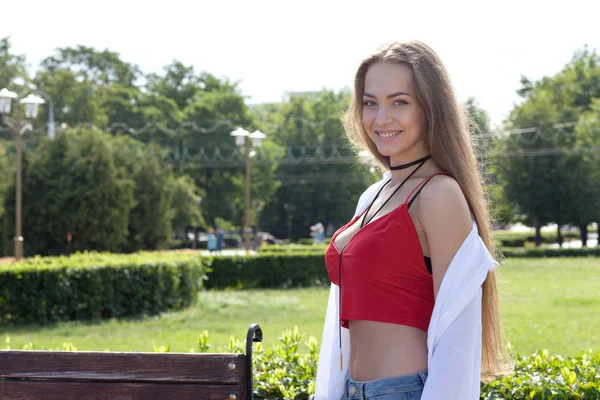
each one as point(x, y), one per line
point(551, 303)
point(546, 303)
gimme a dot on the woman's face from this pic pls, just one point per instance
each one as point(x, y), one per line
point(391, 116)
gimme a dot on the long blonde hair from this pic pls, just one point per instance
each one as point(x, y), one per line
point(449, 141)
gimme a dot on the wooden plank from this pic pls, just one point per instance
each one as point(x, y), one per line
point(123, 367)
point(52, 390)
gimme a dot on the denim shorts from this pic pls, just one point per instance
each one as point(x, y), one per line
point(405, 387)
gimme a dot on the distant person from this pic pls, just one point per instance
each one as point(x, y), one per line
point(315, 233)
point(212, 241)
point(319, 234)
point(413, 306)
point(220, 239)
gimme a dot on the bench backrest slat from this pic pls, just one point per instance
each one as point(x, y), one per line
point(59, 375)
point(55, 390)
point(124, 367)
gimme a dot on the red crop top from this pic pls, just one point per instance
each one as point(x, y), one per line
point(381, 272)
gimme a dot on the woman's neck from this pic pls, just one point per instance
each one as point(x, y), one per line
point(399, 175)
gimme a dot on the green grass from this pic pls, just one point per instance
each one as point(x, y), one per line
point(551, 303)
point(546, 303)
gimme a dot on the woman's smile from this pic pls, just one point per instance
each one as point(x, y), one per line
point(387, 135)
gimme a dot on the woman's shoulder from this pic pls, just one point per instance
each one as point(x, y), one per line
point(442, 204)
point(442, 184)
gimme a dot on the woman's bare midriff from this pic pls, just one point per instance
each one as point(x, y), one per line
point(380, 350)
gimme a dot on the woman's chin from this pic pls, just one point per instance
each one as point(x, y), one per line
point(388, 152)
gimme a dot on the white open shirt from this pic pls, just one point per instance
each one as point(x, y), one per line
point(454, 334)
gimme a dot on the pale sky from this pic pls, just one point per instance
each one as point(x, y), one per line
point(273, 47)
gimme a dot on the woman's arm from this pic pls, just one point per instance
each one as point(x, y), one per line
point(444, 215)
point(454, 367)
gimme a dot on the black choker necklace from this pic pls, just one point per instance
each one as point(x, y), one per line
point(404, 166)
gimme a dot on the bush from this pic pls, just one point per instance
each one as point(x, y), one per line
point(267, 270)
point(283, 372)
point(532, 252)
point(541, 252)
point(292, 248)
point(97, 285)
point(519, 239)
point(310, 241)
point(543, 376)
point(292, 266)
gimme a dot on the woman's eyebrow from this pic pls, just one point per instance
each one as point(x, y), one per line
point(389, 96)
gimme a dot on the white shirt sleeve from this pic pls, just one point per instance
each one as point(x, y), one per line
point(454, 369)
point(330, 379)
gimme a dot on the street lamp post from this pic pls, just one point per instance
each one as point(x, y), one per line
point(19, 127)
point(240, 135)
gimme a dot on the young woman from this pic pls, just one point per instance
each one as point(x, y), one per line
point(413, 282)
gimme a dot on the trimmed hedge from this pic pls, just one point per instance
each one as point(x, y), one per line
point(532, 252)
point(310, 241)
point(503, 238)
point(292, 266)
point(519, 239)
point(292, 248)
point(97, 285)
point(541, 252)
point(268, 271)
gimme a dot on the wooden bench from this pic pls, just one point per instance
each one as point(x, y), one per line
point(54, 375)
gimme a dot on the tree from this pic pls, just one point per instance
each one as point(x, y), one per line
point(541, 172)
point(149, 224)
point(533, 180)
point(479, 124)
point(7, 170)
point(311, 192)
point(76, 100)
point(13, 73)
point(71, 184)
point(91, 87)
point(204, 111)
point(585, 181)
point(186, 205)
point(150, 218)
point(501, 209)
point(99, 67)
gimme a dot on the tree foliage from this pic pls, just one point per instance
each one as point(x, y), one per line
point(308, 194)
point(545, 168)
point(133, 154)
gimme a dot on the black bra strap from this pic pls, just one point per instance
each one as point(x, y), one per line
point(418, 191)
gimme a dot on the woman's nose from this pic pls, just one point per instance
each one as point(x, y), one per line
point(383, 117)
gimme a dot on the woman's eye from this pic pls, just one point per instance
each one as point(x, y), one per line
point(369, 103)
point(400, 103)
